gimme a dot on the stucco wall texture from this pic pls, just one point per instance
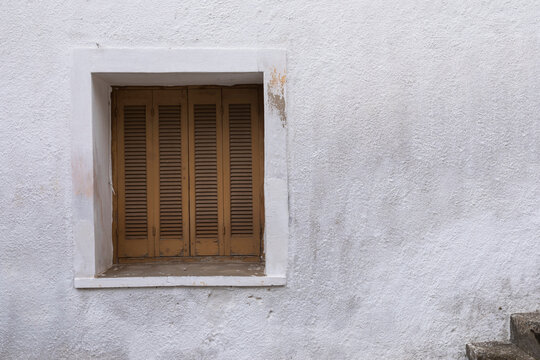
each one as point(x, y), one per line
point(414, 181)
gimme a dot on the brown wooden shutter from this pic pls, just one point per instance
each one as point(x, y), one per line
point(134, 154)
point(205, 165)
point(170, 130)
point(188, 172)
point(242, 187)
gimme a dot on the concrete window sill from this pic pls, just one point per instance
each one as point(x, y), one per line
point(180, 274)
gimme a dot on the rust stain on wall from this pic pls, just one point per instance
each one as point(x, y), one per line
point(82, 177)
point(276, 94)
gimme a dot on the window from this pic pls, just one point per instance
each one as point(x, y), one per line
point(188, 170)
point(96, 73)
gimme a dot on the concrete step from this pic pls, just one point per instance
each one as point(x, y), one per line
point(495, 350)
point(525, 332)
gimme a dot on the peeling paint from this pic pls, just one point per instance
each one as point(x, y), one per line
point(276, 94)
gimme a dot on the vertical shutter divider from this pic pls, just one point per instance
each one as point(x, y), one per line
point(186, 135)
point(186, 198)
point(150, 174)
point(155, 173)
point(225, 160)
point(225, 248)
point(191, 167)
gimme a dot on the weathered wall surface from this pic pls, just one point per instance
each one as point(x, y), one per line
point(414, 177)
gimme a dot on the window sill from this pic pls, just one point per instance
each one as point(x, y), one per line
point(181, 274)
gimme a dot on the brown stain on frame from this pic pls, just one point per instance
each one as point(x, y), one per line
point(276, 94)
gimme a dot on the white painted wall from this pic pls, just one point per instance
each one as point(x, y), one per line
point(414, 182)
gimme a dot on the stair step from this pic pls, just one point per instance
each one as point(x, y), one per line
point(525, 332)
point(495, 350)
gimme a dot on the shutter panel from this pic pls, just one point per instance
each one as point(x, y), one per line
point(134, 147)
point(205, 172)
point(170, 171)
point(241, 171)
point(189, 178)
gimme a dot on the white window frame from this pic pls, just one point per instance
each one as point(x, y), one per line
point(94, 72)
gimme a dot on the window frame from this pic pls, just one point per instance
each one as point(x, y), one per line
point(94, 72)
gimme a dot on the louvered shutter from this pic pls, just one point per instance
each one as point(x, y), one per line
point(205, 165)
point(134, 153)
point(188, 172)
point(170, 138)
point(242, 187)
